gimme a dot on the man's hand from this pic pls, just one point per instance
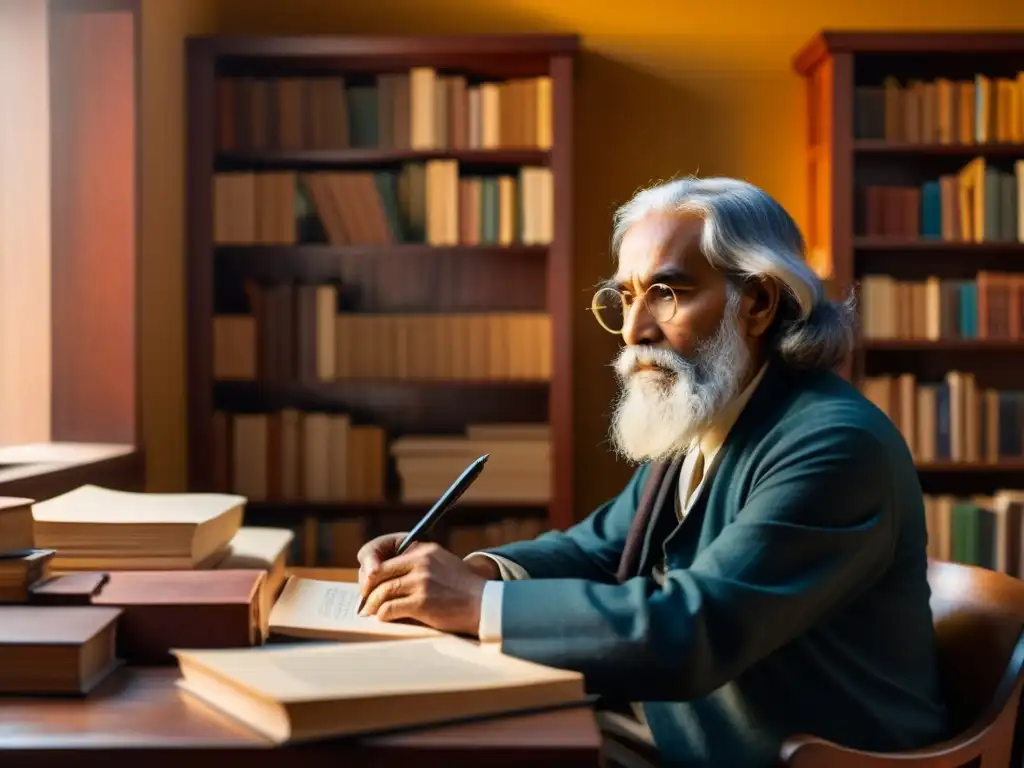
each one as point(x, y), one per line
point(427, 584)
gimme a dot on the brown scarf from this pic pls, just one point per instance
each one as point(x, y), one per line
point(652, 500)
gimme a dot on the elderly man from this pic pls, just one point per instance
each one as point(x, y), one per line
point(764, 571)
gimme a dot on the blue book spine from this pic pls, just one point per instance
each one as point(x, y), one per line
point(931, 210)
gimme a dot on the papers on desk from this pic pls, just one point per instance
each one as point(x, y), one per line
point(326, 610)
point(308, 691)
point(409, 675)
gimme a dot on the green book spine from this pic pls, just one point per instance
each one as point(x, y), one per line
point(363, 128)
point(985, 538)
point(965, 539)
point(993, 185)
point(490, 210)
point(387, 189)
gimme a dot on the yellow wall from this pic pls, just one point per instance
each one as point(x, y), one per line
point(665, 87)
point(165, 24)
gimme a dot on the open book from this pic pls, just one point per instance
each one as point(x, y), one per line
point(321, 690)
point(326, 610)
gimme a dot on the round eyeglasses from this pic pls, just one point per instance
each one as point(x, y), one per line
point(610, 305)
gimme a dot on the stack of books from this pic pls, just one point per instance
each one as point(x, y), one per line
point(518, 472)
point(159, 579)
point(97, 577)
point(21, 563)
point(51, 650)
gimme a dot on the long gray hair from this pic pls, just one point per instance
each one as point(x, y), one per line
point(747, 234)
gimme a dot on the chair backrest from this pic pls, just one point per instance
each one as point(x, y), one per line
point(978, 616)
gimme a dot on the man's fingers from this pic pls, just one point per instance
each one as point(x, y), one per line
point(377, 550)
point(387, 570)
point(399, 608)
point(369, 554)
point(393, 589)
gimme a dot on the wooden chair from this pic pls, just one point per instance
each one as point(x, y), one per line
point(979, 615)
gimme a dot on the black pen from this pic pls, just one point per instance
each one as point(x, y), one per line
point(440, 509)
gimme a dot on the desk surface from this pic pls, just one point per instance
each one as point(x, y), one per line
point(139, 714)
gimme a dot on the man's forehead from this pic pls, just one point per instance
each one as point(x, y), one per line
point(659, 241)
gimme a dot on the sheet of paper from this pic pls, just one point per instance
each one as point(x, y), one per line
point(327, 609)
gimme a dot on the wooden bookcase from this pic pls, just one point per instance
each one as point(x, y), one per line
point(893, 135)
point(433, 298)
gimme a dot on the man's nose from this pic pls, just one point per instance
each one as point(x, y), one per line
point(639, 325)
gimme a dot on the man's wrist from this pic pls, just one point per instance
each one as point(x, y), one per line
point(484, 567)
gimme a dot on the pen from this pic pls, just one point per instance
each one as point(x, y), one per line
point(441, 507)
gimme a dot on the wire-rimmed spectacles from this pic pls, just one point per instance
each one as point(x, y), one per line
point(611, 305)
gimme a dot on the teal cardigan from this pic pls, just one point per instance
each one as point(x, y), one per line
point(795, 598)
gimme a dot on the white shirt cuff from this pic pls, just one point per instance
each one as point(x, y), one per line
point(509, 570)
point(489, 630)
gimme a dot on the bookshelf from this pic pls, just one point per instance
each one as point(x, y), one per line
point(915, 171)
point(379, 270)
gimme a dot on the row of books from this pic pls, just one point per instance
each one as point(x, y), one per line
point(270, 346)
point(954, 419)
point(978, 204)
point(420, 109)
point(318, 457)
point(289, 455)
point(518, 470)
point(989, 307)
point(422, 203)
point(942, 111)
point(977, 530)
point(335, 543)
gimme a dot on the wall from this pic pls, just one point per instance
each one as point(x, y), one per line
point(665, 87)
point(165, 24)
point(24, 224)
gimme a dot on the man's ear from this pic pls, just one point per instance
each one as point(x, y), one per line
point(762, 302)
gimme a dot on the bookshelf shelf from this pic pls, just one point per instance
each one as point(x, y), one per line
point(944, 345)
point(1005, 465)
point(273, 253)
point(311, 262)
point(264, 511)
point(882, 147)
point(298, 146)
point(402, 407)
point(370, 157)
point(932, 246)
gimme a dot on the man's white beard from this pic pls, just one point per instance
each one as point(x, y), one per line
point(658, 414)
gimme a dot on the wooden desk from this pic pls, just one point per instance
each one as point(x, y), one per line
point(140, 715)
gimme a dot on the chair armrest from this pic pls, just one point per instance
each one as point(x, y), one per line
point(803, 751)
point(992, 735)
point(625, 743)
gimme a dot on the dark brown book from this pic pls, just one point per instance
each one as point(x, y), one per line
point(226, 131)
point(67, 589)
point(56, 650)
point(265, 549)
point(284, 352)
point(18, 574)
point(274, 467)
point(163, 610)
point(16, 526)
point(306, 332)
